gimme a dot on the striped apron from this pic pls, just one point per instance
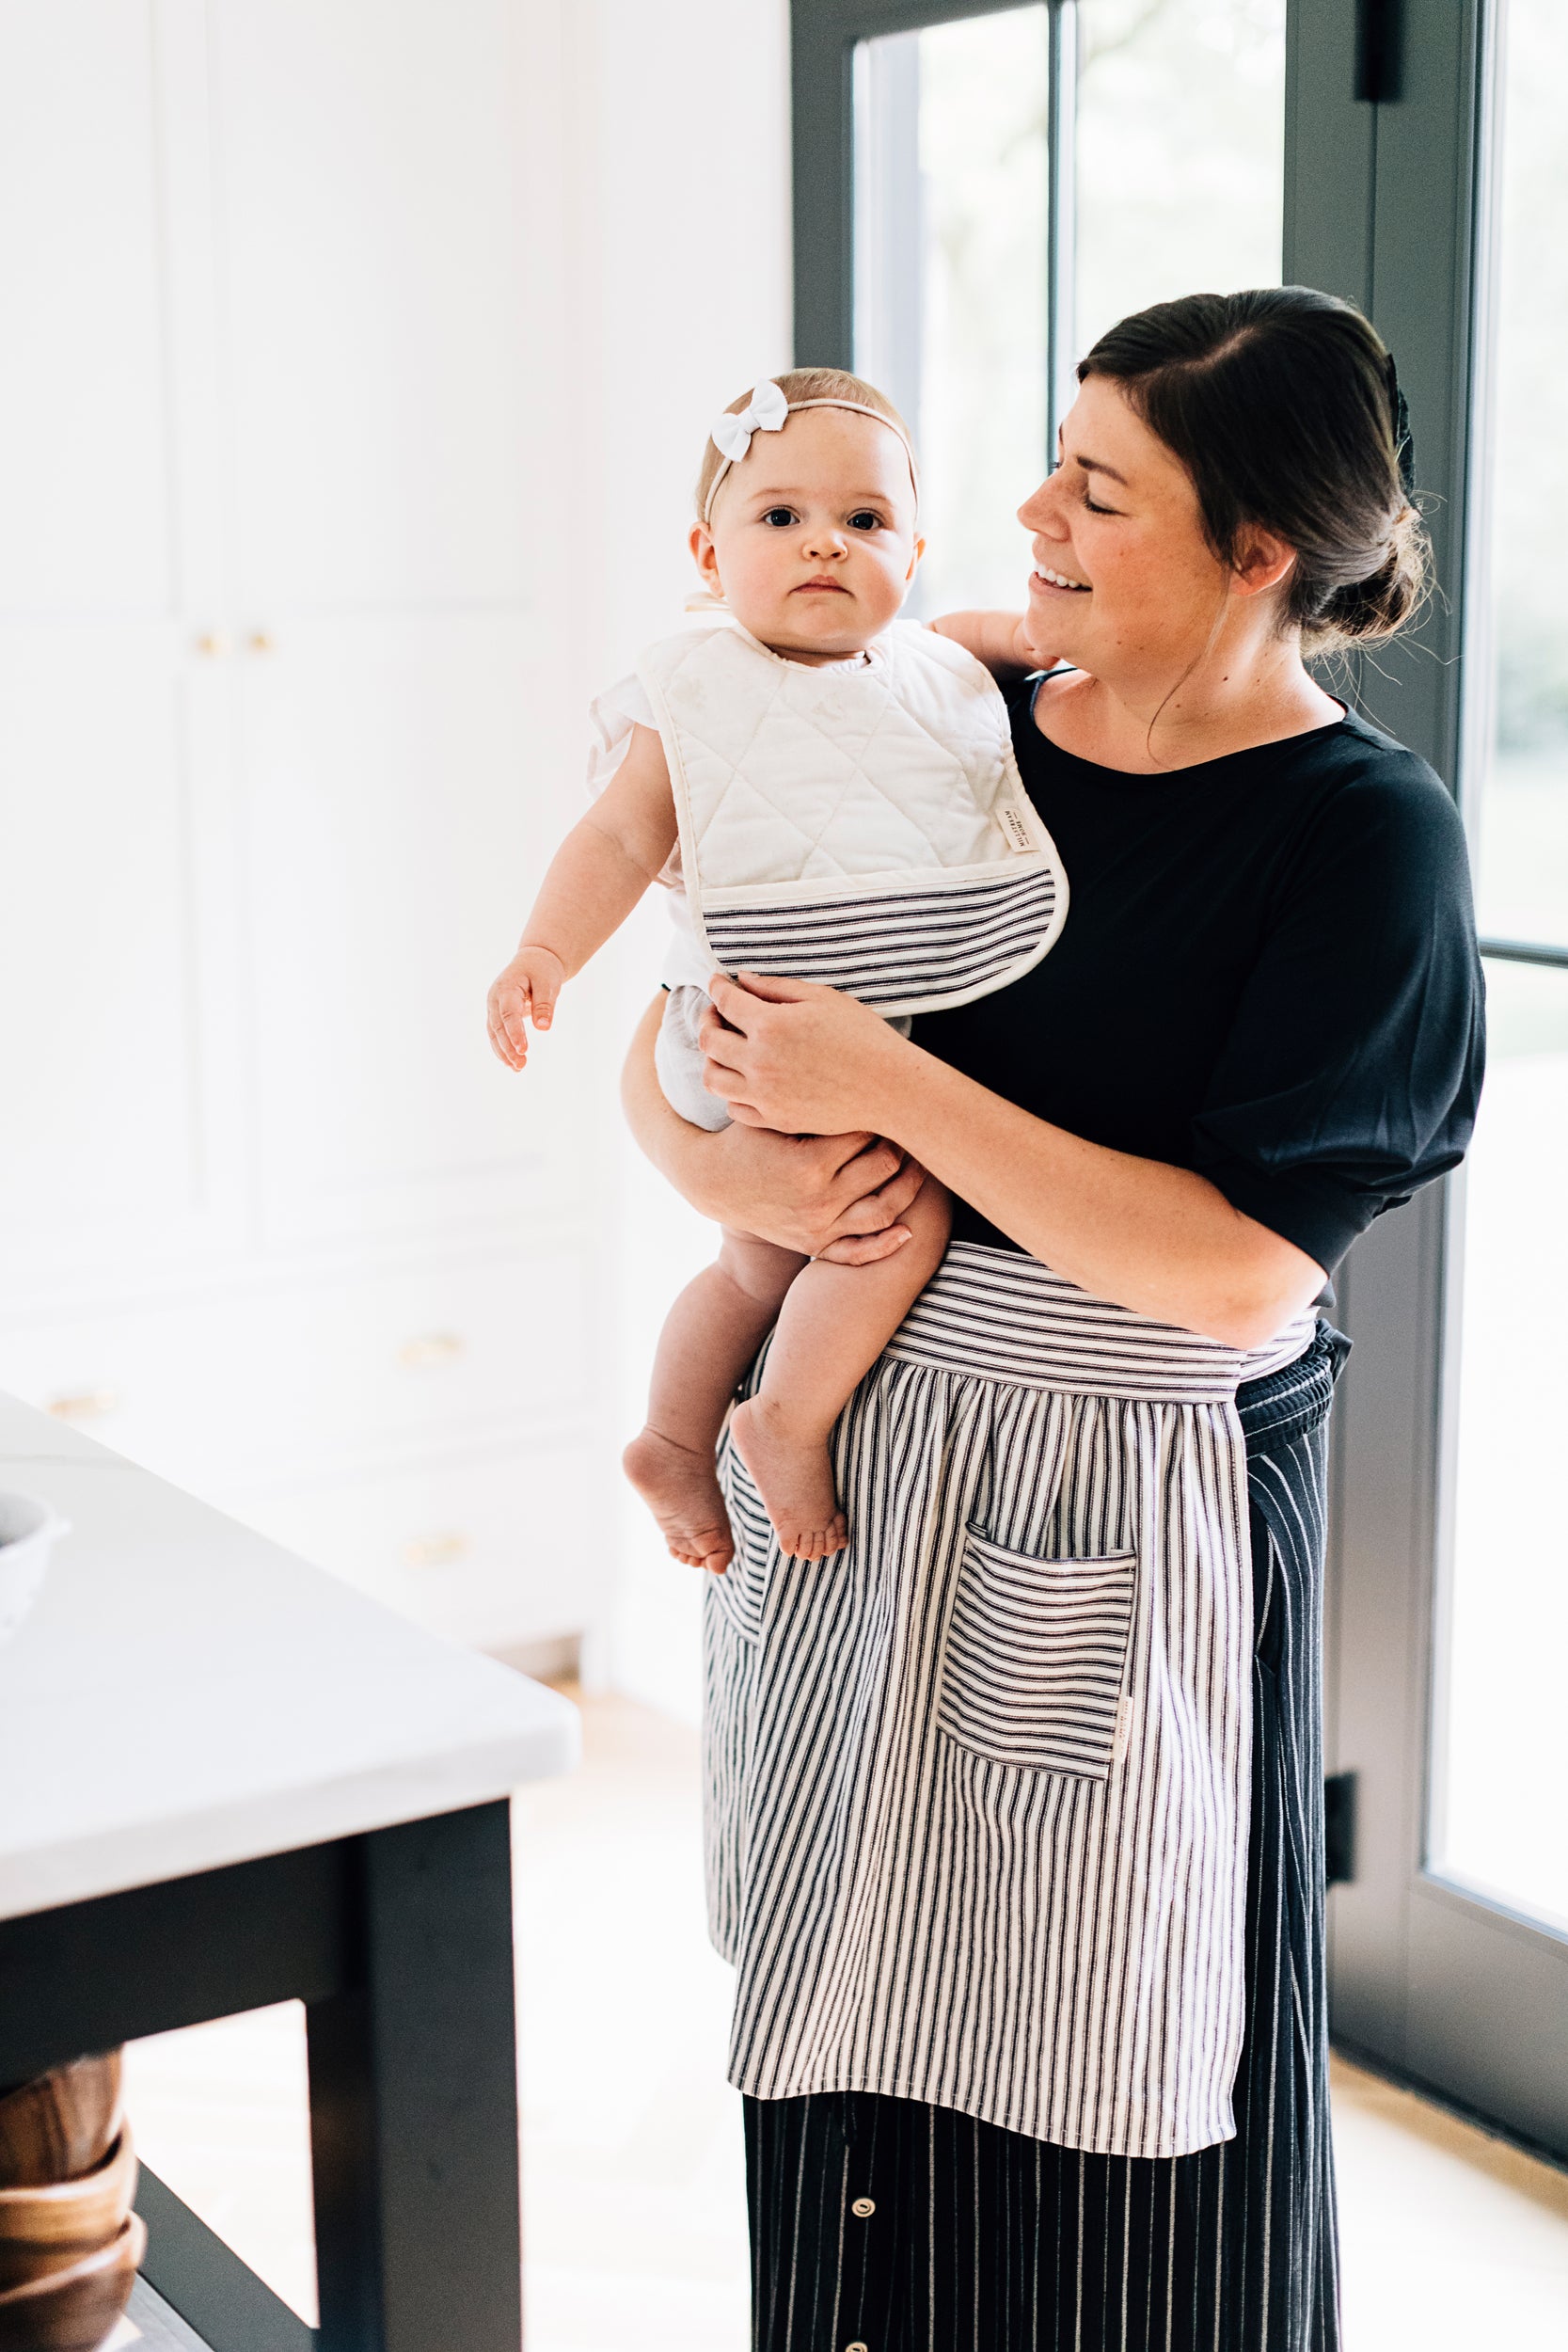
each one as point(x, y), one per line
point(911, 2228)
point(977, 1789)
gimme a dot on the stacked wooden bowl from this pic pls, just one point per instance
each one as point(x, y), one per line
point(69, 2244)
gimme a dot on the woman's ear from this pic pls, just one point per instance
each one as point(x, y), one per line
point(705, 556)
point(1262, 560)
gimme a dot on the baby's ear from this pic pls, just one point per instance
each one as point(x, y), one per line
point(915, 554)
point(704, 555)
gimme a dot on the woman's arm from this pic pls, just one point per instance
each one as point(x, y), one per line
point(835, 1196)
point(996, 639)
point(1157, 1239)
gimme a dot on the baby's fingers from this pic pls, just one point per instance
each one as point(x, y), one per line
point(544, 988)
point(509, 1008)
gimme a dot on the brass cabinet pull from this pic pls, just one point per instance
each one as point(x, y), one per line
point(427, 1348)
point(85, 1405)
point(433, 1551)
point(214, 644)
point(260, 641)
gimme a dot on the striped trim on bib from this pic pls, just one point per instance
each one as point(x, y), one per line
point(902, 946)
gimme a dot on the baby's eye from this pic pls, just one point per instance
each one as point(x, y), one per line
point(863, 519)
point(779, 517)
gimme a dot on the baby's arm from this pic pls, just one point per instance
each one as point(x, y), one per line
point(595, 878)
point(997, 639)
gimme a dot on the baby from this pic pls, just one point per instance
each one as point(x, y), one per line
point(828, 793)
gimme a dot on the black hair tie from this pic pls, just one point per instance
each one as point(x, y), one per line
point(1399, 420)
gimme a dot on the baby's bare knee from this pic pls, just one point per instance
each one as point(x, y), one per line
point(760, 1270)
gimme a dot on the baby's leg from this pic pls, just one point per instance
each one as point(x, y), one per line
point(832, 1327)
point(710, 1335)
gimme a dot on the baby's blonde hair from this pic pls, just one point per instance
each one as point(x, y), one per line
point(799, 384)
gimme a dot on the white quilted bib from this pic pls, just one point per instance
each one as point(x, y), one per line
point(862, 824)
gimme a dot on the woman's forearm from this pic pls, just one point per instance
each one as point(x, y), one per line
point(826, 1195)
point(682, 1153)
point(1158, 1239)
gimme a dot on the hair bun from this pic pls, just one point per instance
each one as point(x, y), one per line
point(1362, 611)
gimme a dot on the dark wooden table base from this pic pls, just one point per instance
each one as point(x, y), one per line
point(398, 1943)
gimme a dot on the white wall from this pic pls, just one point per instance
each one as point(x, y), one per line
point(681, 260)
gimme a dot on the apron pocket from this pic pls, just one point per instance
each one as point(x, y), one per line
point(1035, 1658)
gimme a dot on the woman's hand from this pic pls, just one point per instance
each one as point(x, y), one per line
point(795, 1057)
point(838, 1197)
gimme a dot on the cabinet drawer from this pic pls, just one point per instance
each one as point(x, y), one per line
point(208, 1390)
point(493, 1554)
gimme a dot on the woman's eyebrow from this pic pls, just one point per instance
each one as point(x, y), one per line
point(1098, 465)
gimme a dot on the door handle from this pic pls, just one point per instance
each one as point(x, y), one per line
point(1379, 50)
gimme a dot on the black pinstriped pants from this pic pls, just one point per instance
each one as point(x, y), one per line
point(885, 2224)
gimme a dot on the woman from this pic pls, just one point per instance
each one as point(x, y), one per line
point(1015, 1809)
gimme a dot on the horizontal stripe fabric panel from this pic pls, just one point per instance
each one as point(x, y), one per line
point(976, 1787)
point(1036, 1653)
point(897, 947)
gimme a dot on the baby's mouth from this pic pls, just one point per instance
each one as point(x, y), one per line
point(1059, 579)
point(807, 587)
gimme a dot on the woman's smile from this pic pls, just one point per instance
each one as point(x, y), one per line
point(1055, 583)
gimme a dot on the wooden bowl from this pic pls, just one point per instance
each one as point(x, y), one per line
point(62, 2123)
point(45, 2230)
point(73, 2310)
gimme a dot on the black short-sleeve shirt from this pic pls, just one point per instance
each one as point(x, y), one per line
point(1268, 973)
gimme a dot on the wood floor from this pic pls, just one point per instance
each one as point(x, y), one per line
point(634, 2223)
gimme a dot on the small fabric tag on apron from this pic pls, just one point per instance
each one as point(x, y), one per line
point(1123, 1739)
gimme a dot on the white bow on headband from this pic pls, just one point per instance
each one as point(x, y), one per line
point(769, 411)
point(765, 412)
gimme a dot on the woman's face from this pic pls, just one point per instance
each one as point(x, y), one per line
point(1124, 581)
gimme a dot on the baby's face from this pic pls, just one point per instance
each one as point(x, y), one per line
point(812, 540)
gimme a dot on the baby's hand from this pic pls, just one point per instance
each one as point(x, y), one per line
point(524, 991)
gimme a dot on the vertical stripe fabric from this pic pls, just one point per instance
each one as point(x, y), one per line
point(977, 1787)
point(906, 2226)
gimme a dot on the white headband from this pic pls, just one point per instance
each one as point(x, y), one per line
point(767, 411)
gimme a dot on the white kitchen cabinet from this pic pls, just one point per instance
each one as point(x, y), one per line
point(84, 455)
point(286, 723)
point(490, 1552)
point(270, 1379)
point(119, 1101)
point(401, 784)
point(390, 375)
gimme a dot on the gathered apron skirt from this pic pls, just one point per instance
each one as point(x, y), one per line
point(979, 1802)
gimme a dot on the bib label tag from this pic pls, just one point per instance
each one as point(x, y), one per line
point(1013, 826)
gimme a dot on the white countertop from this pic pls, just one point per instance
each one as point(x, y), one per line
point(185, 1694)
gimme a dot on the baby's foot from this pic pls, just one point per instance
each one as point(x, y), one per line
point(680, 1487)
point(794, 1477)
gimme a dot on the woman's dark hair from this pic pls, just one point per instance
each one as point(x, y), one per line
point(1280, 404)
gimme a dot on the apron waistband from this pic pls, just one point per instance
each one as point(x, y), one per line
point(997, 1315)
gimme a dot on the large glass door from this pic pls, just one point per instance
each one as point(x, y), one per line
point(979, 190)
point(1498, 1823)
point(1019, 178)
